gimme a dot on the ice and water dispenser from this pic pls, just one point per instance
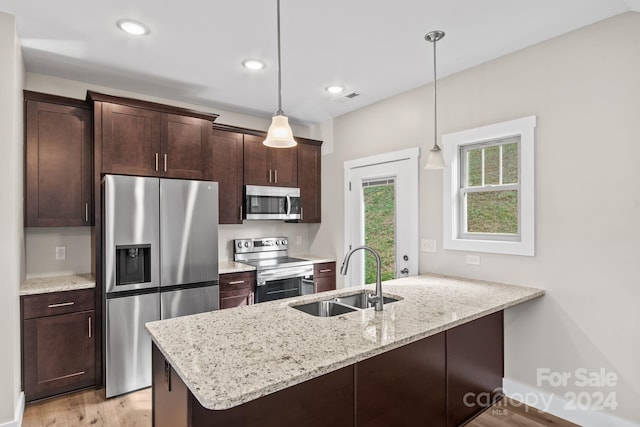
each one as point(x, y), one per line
point(133, 264)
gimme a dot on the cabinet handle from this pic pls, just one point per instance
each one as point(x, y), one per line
point(251, 298)
point(167, 375)
point(156, 162)
point(301, 213)
point(86, 212)
point(269, 176)
point(325, 270)
point(90, 328)
point(236, 282)
point(62, 304)
point(165, 162)
point(240, 213)
point(275, 172)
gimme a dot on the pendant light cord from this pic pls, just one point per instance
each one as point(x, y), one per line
point(435, 100)
point(279, 112)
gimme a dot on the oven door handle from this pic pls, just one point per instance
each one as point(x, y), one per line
point(283, 273)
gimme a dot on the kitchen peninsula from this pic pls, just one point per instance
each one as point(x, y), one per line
point(414, 363)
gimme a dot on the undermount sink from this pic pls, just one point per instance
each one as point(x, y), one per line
point(324, 308)
point(361, 300)
point(341, 305)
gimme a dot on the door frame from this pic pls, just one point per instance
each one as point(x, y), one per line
point(410, 154)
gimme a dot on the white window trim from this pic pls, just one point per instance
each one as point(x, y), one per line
point(452, 142)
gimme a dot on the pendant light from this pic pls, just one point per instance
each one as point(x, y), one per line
point(435, 159)
point(279, 134)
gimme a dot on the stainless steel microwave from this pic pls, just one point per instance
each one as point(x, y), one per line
point(264, 202)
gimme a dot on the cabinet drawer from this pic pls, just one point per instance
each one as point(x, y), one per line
point(233, 281)
point(324, 269)
point(57, 303)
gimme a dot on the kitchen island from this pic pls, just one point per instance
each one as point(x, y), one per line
point(269, 364)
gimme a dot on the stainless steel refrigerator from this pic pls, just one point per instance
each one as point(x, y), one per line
point(160, 261)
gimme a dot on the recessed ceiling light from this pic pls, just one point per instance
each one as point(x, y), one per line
point(253, 64)
point(133, 27)
point(334, 89)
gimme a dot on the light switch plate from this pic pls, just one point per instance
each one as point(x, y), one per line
point(473, 259)
point(298, 240)
point(61, 253)
point(428, 245)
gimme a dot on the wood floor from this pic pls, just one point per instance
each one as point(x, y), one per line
point(90, 408)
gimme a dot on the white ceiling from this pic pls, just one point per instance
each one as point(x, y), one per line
point(195, 48)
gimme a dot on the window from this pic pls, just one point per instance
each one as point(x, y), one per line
point(488, 188)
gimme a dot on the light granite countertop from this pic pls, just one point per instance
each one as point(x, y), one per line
point(226, 267)
point(43, 285)
point(233, 356)
point(315, 258)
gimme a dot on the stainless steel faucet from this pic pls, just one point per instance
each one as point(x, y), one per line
point(377, 298)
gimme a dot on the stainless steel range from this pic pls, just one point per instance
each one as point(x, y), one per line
point(277, 274)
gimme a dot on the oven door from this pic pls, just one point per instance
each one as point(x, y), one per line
point(282, 282)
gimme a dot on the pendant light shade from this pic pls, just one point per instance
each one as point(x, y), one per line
point(279, 134)
point(435, 159)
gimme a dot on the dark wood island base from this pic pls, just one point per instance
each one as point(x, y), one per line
point(442, 380)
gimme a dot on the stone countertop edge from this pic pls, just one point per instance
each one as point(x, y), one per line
point(227, 267)
point(44, 285)
point(315, 258)
point(338, 341)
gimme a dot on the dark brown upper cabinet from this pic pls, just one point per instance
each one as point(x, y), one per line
point(269, 166)
point(183, 146)
point(309, 167)
point(225, 166)
point(130, 140)
point(148, 139)
point(58, 161)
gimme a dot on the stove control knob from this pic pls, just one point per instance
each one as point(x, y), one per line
point(246, 244)
point(240, 244)
point(284, 242)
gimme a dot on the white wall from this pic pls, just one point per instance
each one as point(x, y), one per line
point(11, 243)
point(585, 90)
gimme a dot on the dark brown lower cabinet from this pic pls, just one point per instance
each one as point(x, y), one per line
point(475, 367)
point(403, 387)
point(431, 382)
point(58, 350)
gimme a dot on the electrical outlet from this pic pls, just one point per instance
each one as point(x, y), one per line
point(298, 240)
point(61, 253)
point(428, 245)
point(473, 259)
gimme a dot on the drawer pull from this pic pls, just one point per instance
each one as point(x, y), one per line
point(326, 270)
point(62, 304)
point(236, 282)
point(90, 327)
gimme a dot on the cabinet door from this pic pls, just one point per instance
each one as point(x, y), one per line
point(224, 164)
point(309, 181)
point(474, 367)
point(57, 165)
point(236, 298)
point(322, 284)
point(58, 354)
point(269, 166)
point(403, 387)
point(284, 162)
point(184, 146)
point(130, 140)
point(257, 170)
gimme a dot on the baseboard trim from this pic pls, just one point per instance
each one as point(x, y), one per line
point(17, 416)
point(557, 405)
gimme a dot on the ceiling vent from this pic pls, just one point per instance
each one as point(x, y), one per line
point(347, 97)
